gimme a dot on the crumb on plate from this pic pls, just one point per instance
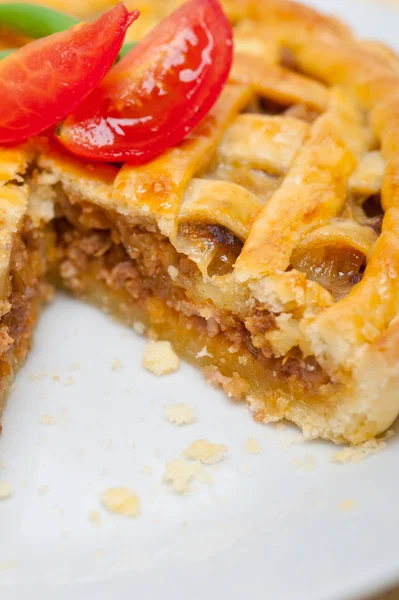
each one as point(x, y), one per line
point(308, 464)
point(123, 501)
point(5, 565)
point(205, 451)
point(160, 358)
point(5, 490)
point(95, 518)
point(179, 414)
point(65, 416)
point(346, 505)
point(180, 473)
point(47, 419)
point(252, 446)
point(116, 365)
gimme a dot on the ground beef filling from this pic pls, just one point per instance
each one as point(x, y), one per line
point(27, 290)
point(140, 262)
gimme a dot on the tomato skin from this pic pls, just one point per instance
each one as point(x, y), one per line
point(45, 80)
point(158, 92)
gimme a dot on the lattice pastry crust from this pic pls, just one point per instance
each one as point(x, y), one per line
point(278, 220)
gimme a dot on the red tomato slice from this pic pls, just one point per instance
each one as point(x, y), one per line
point(45, 80)
point(158, 92)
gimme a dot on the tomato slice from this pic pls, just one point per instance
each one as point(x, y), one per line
point(158, 92)
point(45, 80)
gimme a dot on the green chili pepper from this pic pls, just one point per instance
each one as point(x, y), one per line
point(34, 21)
point(37, 21)
point(125, 49)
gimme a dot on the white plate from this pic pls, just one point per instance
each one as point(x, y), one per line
point(265, 529)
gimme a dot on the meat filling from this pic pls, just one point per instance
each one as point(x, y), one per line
point(27, 291)
point(146, 265)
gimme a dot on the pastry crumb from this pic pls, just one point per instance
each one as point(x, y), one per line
point(180, 473)
point(308, 464)
point(48, 419)
point(242, 360)
point(346, 505)
point(356, 454)
point(173, 272)
point(5, 490)
point(205, 451)
point(6, 565)
point(65, 414)
point(288, 440)
point(68, 381)
point(146, 470)
point(160, 358)
point(95, 518)
point(252, 446)
point(44, 489)
point(74, 367)
point(116, 365)
point(38, 376)
point(105, 472)
point(179, 414)
point(123, 501)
